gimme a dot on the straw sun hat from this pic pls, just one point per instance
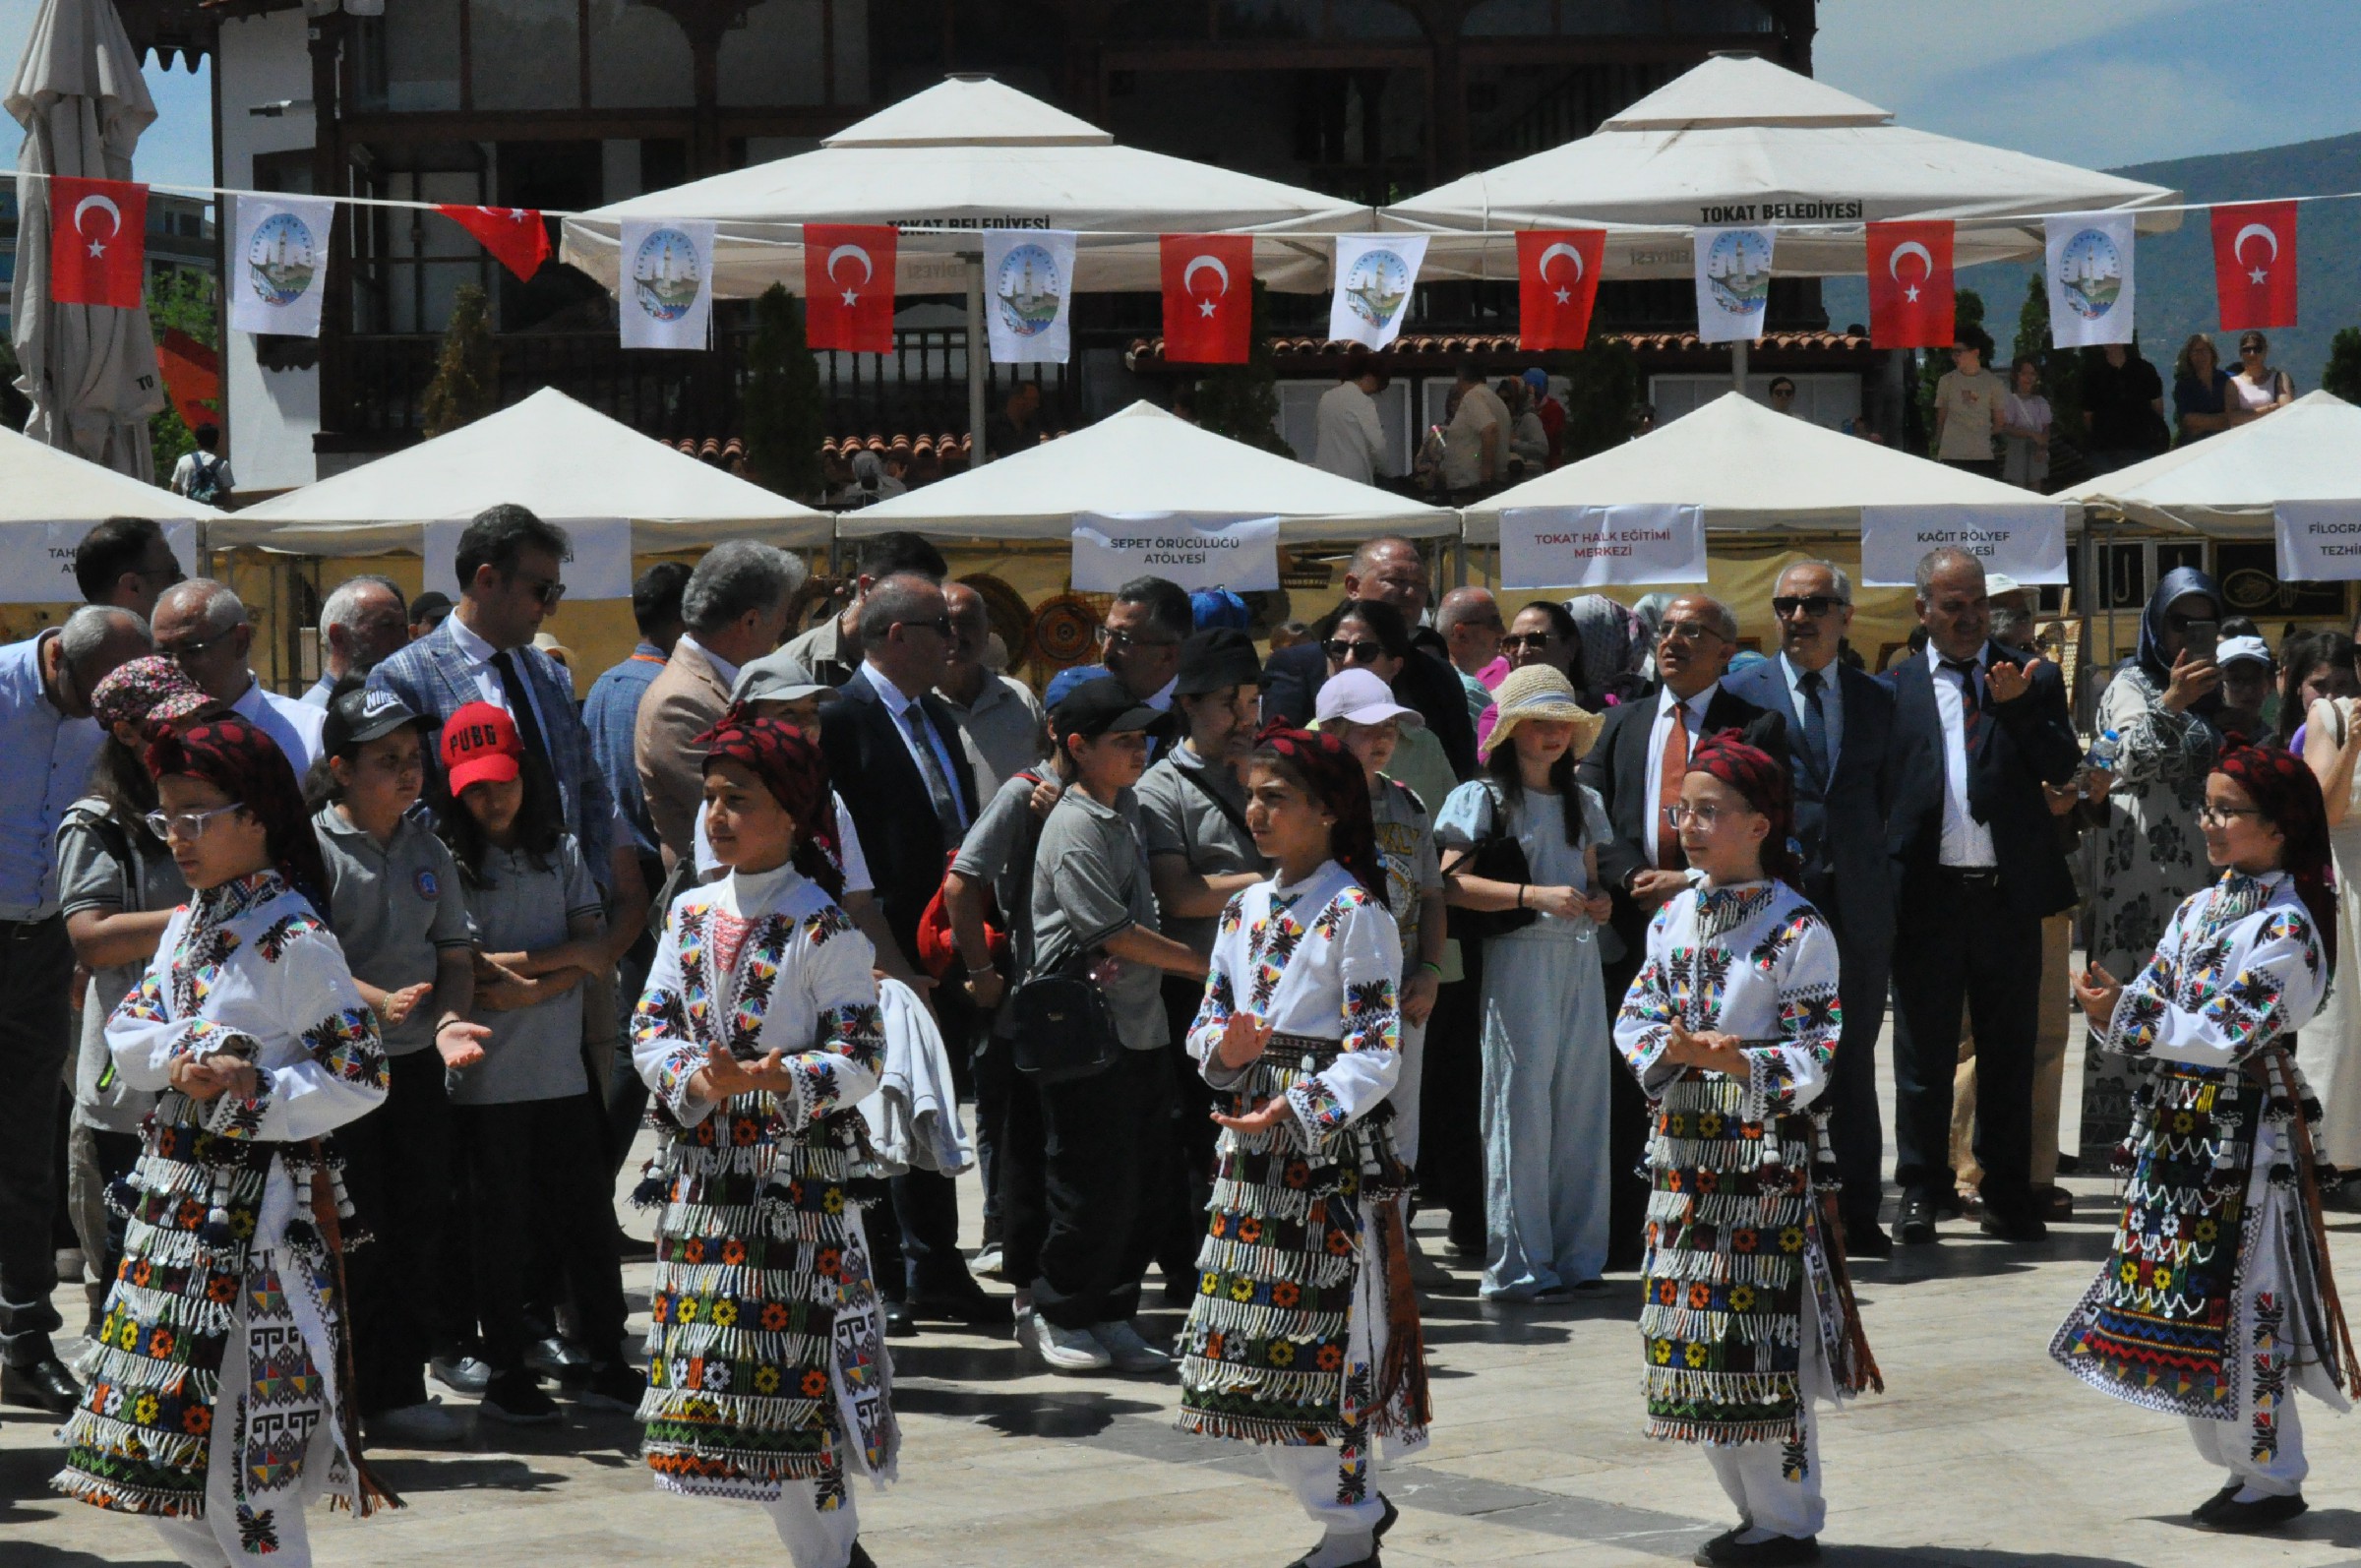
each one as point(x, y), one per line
point(1537, 692)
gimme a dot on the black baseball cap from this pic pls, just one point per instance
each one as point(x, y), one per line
point(431, 605)
point(1101, 706)
point(1214, 658)
point(360, 714)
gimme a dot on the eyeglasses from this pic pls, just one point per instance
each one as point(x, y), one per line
point(1537, 640)
point(940, 626)
point(182, 654)
point(1814, 605)
point(546, 589)
point(1345, 652)
point(2219, 815)
point(1118, 639)
point(190, 825)
point(1702, 816)
point(1686, 631)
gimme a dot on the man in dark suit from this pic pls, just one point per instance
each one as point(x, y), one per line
point(1389, 568)
point(1637, 764)
point(1840, 739)
point(895, 754)
point(1976, 866)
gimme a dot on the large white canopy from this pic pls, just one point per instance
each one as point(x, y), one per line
point(1147, 461)
point(2228, 484)
point(39, 483)
point(549, 453)
point(1743, 140)
point(972, 154)
point(1752, 470)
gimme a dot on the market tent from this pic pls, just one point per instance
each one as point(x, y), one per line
point(2227, 485)
point(40, 483)
point(1738, 140)
point(548, 453)
point(1144, 460)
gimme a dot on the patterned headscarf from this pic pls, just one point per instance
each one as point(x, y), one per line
point(2284, 790)
point(1615, 642)
point(247, 765)
point(1763, 780)
point(796, 774)
point(1333, 775)
point(150, 689)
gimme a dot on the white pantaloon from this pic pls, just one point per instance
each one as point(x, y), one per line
point(1777, 1486)
point(1311, 1475)
point(814, 1537)
point(2225, 1443)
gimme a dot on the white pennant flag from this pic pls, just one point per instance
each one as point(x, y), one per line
point(278, 266)
point(665, 295)
point(2089, 279)
point(1733, 283)
point(1029, 273)
point(1375, 274)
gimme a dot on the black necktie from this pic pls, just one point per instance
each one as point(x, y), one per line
point(1971, 704)
point(1815, 723)
point(528, 724)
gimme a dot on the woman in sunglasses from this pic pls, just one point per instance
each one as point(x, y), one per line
point(1544, 633)
point(2259, 385)
point(1371, 635)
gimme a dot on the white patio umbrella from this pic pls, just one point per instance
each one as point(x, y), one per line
point(90, 369)
point(38, 483)
point(2229, 485)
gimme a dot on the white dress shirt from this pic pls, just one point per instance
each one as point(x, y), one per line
point(1692, 718)
point(897, 707)
point(480, 655)
point(290, 722)
point(1351, 439)
point(723, 668)
point(1832, 706)
point(1966, 842)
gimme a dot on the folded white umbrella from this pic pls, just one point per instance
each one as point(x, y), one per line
point(2229, 485)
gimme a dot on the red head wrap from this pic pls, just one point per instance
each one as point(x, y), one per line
point(796, 774)
point(247, 765)
point(1334, 776)
point(1760, 777)
point(2285, 790)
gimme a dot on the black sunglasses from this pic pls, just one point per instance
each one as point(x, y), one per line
point(940, 626)
point(1345, 652)
point(1814, 605)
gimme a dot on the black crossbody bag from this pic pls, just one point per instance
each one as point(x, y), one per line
point(1496, 856)
point(1060, 1027)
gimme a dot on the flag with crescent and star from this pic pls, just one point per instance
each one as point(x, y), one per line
point(1557, 282)
point(98, 242)
point(1911, 288)
point(848, 286)
point(515, 234)
point(2254, 265)
point(1208, 298)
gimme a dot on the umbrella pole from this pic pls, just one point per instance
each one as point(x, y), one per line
point(977, 351)
point(1738, 363)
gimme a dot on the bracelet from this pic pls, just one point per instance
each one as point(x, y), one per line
point(976, 970)
point(1428, 963)
point(1521, 895)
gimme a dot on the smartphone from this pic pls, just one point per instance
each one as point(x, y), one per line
point(2202, 638)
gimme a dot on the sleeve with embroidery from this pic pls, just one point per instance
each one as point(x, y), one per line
point(2148, 996)
point(1643, 1023)
point(1800, 955)
point(340, 1075)
point(665, 1049)
point(1365, 949)
point(144, 1037)
point(838, 982)
point(2247, 986)
point(1220, 996)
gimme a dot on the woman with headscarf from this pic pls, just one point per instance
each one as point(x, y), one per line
point(1614, 650)
point(758, 1035)
point(2217, 1301)
point(1746, 1315)
point(220, 1386)
point(1304, 1336)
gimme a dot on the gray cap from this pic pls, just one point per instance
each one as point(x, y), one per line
point(775, 685)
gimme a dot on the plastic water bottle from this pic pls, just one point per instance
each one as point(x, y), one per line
point(2101, 757)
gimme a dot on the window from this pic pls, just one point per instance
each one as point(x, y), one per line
point(640, 57)
point(777, 57)
point(527, 54)
point(421, 53)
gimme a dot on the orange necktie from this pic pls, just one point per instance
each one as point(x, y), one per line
point(1673, 768)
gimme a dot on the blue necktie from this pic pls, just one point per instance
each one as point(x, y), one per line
point(1815, 723)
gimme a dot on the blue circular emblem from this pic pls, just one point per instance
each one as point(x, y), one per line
point(427, 888)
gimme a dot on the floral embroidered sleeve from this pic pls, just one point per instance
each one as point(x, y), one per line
point(2154, 743)
point(1365, 950)
point(665, 1049)
point(841, 1069)
point(1220, 996)
point(1802, 952)
point(1643, 1023)
point(341, 1075)
point(144, 1037)
point(2246, 986)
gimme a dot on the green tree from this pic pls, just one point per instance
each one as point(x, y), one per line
point(178, 300)
point(782, 408)
point(466, 383)
point(1967, 320)
point(2342, 373)
point(1603, 394)
point(2061, 375)
point(1242, 401)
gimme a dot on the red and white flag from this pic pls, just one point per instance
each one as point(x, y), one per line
point(1910, 285)
point(1208, 298)
point(515, 234)
point(98, 242)
point(2254, 265)
point(848, 286)
point(1557, 283)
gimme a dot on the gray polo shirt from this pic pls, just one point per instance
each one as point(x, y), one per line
point(394, 907)
point(1005, 725)
point(1090, 882)
point(1177, 819)
point(534, 1052)
point(90, 875)
point(993, 848)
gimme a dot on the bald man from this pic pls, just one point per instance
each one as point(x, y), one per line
point(202, 626)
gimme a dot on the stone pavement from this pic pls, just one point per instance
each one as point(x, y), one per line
point(1982, 1455)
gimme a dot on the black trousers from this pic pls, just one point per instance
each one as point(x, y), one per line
point(37, 970)
point(117, 1153)
point(397, 1168)
point(1074, 1178)
point(627, 1095)
point(1966, 948)
point(537, 1170)
point(1627, 1135)
point(1856, 1133)
point(1183, 1188)
point(989, 1067)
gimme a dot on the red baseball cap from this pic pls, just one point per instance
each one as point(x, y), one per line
point(480, 747)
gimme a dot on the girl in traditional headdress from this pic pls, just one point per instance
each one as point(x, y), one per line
point(1730, 1027)
point(758, 1035)
point(219, 1388)
point(2216, 1303)
point(1304, 1335)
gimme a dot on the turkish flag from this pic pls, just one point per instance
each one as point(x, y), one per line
point(515, 234)
point(2254, 265)
point(1910, 285)
point(1208, 298)
point(1557, 282)
point(98, 242)
point(848, 286)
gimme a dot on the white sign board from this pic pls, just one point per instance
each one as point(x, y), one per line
point(37, 559)
point(598, 567)
point(2026, 542)
point(1193, 549)
point(2320, 541)
point(1600, 547)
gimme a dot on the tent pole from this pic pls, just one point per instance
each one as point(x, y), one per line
point(978, 354)
point(1738, 363)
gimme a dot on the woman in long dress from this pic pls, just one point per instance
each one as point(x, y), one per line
point(2217, 1301)
point(1303, 1338)
point(759, 1033)
point(2330, 1046)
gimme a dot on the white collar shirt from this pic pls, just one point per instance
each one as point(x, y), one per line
point(1692, 718)
point(897, 708)
point(480, 654)
point(1966, 842)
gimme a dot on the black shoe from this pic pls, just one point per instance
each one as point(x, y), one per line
point(1386, 1522)
point(44, 1384)
point(2069, 1164)
point(1950, 1205)
point(1780, 1552)
point(1866, 1238)
point(970, 1306)
point(2053, 1203)
point(615, 1386)
point(2204, 1512)
point(860, 1557)
point(1914, 1226)
point(1371, 1562)
point(2013, 1225)
point(899, 1323)
point(516, 1398)
point(2234, 1518)
point(1703, 1555)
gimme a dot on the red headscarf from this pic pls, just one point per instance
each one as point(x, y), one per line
point(1333, 775)
point(2284, 790)
point(247, 765)
point(1763, 780)
point(796, 774)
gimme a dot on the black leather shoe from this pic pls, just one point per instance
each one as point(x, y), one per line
point(1385, 1523)
point(860, 1559)
point(2013, 1225)
point(1704, 1556)
point(44, 1384)
point(2234, 1518)
point(899, 1323)
point(1914, 1226)
point(2204, 1512)
point(1866, 1238)
point(972, 1307)
point(1780, 1552)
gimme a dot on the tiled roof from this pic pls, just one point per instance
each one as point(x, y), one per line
point(1150, 350)
point(950, 448)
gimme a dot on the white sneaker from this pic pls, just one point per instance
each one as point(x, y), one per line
point(1065, 1350)
point(1129, 1352)
point(414, 1426)
point(467, 1374)
point(986, 1261)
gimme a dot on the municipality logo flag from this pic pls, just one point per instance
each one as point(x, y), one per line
point(2089, 279)
point(278, 265)
point(1375, 274)
point(1733, 283)
point(1029, 279)
point(665, 295)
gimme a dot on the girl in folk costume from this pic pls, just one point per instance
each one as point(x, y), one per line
point(1731, 1026)
point(758, 1035)
point(2218, 1301)
point(220, 1382)
point(1304, 1335)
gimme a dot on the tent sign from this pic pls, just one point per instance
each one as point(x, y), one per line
point(1193, 549)
point(2026, 542)
point(37, 559)
point(598, 567)
point(2320, 541)
point(1600, 546)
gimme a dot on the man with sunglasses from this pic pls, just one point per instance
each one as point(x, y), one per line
point(202, 626)
point(1840, 730)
